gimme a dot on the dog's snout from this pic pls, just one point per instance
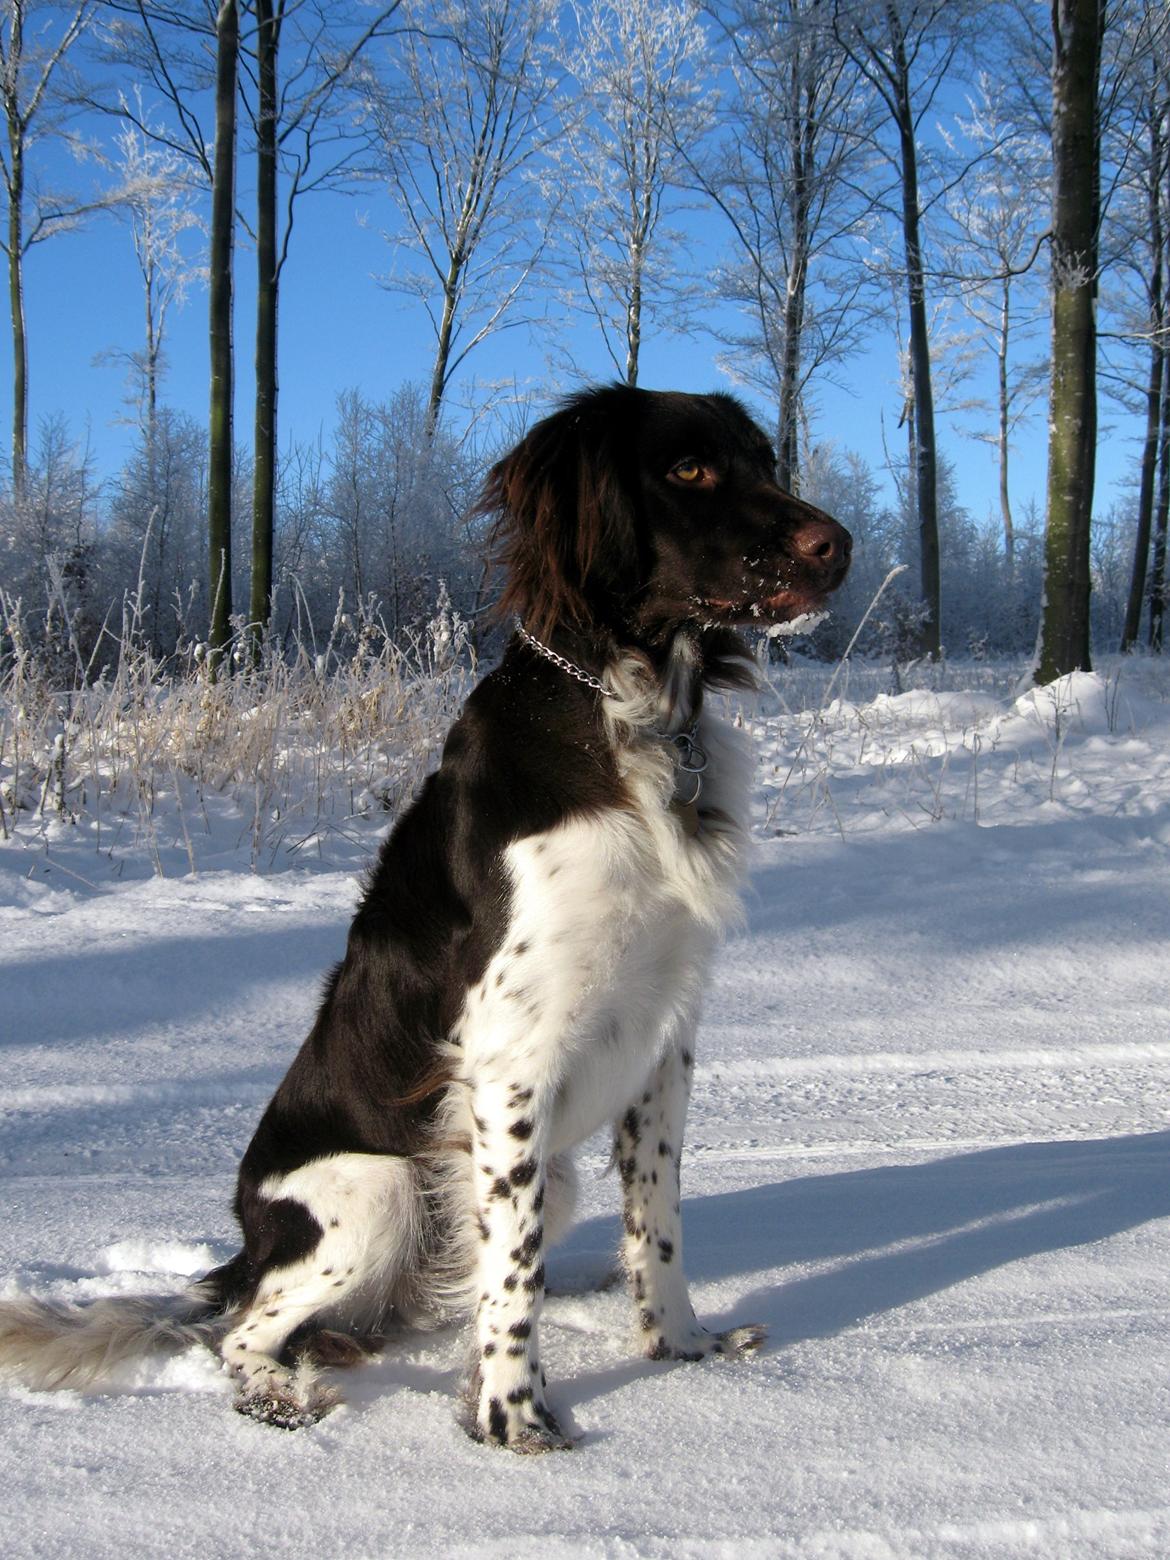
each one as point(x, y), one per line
point(823, 542)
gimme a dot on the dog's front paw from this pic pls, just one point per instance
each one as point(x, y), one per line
point(519, 1421)
point(699, 1344)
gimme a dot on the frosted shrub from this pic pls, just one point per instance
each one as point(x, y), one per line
point(283, 757)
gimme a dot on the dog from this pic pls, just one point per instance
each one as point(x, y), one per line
point(527, 961)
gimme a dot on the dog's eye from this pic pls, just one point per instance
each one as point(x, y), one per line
point(692, 473)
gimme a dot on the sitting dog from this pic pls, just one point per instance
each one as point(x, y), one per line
point(528, 958)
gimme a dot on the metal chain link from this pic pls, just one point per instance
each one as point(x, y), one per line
point(565, 666)
point(690, 756)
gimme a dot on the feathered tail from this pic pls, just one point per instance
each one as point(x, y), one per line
point(47, 1344)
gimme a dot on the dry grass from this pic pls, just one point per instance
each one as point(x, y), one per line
point(299, 745)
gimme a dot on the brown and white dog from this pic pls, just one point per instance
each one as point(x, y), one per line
point(528, 959)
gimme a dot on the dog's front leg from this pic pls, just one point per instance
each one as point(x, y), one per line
point(507, 1385)
point(649, 1149)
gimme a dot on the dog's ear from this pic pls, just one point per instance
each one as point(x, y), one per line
point(565, 509)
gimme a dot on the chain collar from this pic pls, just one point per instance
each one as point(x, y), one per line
point(565, 665)
point(690, 755)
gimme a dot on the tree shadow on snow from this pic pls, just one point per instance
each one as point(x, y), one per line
point(899, 1233)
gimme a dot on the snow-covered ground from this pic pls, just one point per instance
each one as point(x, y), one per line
point(929, 1147)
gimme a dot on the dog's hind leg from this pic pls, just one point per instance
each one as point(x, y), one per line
point(648, 1146)
point(334, 1237)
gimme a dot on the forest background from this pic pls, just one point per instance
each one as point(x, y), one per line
point(427, 220)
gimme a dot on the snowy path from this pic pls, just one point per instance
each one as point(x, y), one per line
point(929, 1147)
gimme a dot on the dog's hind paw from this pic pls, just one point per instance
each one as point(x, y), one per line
point(735, 1344)
point(738, 1342)
point(284, 1409)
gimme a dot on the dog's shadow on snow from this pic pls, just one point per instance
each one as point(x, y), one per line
point(880, 1239)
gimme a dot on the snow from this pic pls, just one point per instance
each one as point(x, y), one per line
point(929, 1147)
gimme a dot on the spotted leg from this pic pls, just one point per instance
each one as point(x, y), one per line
point(649, 1146)
point(507, 1385)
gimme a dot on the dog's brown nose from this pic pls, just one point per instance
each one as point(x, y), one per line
point(824, 542)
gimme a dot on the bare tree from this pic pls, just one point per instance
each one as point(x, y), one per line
point(1148, 232)
point(458, 126)
point(306, 137)
point(785, 174)
point(158, 205)
point(905, 50)
point(639, 66)
point(1001, 220)
point(32, 70)
point(1077, 29)
point(220, 260)
point(295, 62)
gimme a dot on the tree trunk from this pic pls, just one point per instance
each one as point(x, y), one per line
point(1005, 503)
point(1141, 546)
point(443, 344)
point(926, 457)
point(634, 316)
point(1154, 391)
point(267, 297)
point(1158, 573)
point(1064, 629)
point(219, 476)
point(787, 453)
point(16, 304)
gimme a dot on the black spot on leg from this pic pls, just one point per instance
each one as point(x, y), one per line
point(520, 1096)
point(536, 1283)
point(647, 1319)
point(629, 1222)
point(484, 1229)
point(500, 1188)
point(497, 1420)
point(521, 1329)
point(526, 1253)
point(520, 950)
point(523, 1173)
point(687, 1059)
point(500, 978)
point(665, 1250)
point(511, 1281)
point(521, 1129)
point(663, 1148)
point(639, 1287)
point(630, 1126)
point(520, 1395)
point(488, 1350)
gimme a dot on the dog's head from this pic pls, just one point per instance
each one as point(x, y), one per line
point(640, 511)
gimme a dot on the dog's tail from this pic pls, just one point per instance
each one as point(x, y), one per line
point(47, 1344)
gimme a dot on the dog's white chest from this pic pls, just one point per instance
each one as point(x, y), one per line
point(612, 923)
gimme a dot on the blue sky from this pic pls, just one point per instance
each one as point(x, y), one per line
point(341, 330)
